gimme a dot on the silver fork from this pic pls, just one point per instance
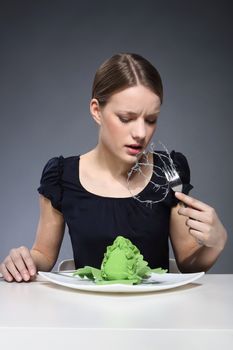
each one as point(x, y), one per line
point(175, 183)
point(173, 178)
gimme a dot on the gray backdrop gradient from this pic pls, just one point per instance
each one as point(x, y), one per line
point(50, 51)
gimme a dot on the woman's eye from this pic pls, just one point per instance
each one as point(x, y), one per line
point(123, 119)
point(151, 122)
point(127, 120)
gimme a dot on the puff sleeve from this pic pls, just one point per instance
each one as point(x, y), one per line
point(182, 166)
point(51, 181)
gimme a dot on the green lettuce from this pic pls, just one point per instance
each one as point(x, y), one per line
point(122, 263)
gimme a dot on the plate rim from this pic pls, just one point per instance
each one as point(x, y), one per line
point(122, 288)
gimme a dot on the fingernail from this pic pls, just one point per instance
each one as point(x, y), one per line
point(26, 277)
point(32, 272)
point(19, 278)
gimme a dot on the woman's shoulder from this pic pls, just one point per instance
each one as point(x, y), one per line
point(60, 160)
point(70, 159)
point(57, 165)
point(176, 157)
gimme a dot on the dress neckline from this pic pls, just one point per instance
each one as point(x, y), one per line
point(77, 160)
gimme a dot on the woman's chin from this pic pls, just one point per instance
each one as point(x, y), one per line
point(131, 160)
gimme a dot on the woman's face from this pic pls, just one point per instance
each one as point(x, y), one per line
point(127, 122)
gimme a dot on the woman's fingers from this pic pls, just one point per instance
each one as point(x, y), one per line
point(197, 225)
point(28, 261)
point(198, 236)
point(18, 265)
point(192, 202)
point(198, 230)
point(208, 216)
point(5, 273)
point(203, 222)
point(18, 262)
point(10, 268)
point(192, 213)
point(198, 210)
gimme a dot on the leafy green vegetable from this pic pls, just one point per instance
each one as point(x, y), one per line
point(122, 263)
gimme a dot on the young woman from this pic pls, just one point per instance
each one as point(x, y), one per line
point(91, 193)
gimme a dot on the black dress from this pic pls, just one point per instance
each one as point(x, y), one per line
point(94, 221)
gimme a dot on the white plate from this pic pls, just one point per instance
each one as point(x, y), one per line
point(158, 282)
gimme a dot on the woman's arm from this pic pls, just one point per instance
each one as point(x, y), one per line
point(22, 264)
point(197, 235)
point(49, 236)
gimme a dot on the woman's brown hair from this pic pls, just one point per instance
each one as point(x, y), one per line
point(125, 70)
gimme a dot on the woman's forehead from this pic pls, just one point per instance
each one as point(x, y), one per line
point(135, 99)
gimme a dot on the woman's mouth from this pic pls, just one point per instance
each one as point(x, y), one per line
point(134, 149)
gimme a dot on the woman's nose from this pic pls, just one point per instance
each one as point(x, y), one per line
point(139, 130)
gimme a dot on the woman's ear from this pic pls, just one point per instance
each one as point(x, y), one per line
point(95, 110)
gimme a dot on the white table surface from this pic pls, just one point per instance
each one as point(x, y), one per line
point(40, 314)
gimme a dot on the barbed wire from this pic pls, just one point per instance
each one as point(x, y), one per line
point(158, 171)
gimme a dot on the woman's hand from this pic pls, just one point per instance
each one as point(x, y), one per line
point(203, 222)
point(18, 265)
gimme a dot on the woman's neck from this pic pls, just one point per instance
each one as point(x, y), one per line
point(106, 176)
point(110, 163)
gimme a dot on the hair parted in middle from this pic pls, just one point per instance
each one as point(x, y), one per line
point(125, 70)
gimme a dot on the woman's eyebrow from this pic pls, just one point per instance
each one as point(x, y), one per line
point(133, 114)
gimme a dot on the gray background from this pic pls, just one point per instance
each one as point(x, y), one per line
point(50, 51)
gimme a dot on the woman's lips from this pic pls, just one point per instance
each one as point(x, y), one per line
point(134, 149)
